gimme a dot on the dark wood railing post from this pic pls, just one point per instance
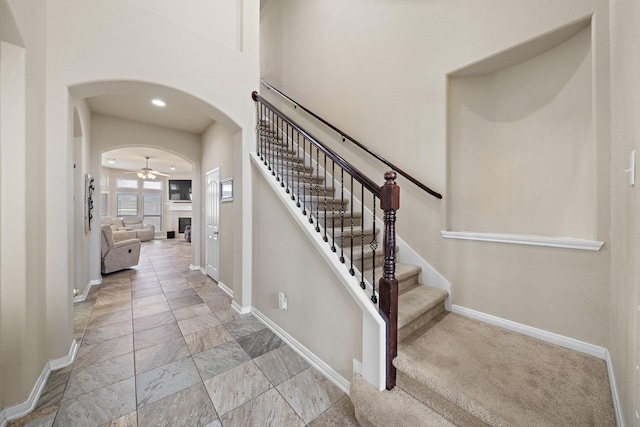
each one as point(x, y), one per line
point(388, 285)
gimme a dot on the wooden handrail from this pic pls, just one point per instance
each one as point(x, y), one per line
point(359, 176)
point(344, 135)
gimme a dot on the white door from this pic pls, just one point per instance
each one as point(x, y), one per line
point(212, 217)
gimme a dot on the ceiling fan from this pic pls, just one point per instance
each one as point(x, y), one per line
point(148, 173)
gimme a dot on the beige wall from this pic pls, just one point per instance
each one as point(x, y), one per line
point(381, 72)
point(624, 326)
point(391, 94)
point(75, 49)
point(321, 314)
point(23, 336)
point(218, 152)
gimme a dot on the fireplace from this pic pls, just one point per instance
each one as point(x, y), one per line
point(182, 223)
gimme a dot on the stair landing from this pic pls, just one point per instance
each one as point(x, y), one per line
point(477, 374)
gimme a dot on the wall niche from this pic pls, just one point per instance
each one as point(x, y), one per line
point(522, 146)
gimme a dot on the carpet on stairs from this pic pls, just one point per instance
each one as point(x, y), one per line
point(501, 377)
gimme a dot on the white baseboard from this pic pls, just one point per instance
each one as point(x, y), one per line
point(614, 392)
point(22, 409)
point(225, 288)
point(240, 309)
point(550, 337)
point(83, 296)
point(310, 357)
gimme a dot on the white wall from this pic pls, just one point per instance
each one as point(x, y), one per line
point(76, 49)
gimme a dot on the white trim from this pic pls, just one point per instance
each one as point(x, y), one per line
point(22, 409)
point(530, 331)
point(310, 357)
point(80, 298)
point(194, 267)
point(614, 391)
point(225, 288)
point(526, 239)
point(240, 309)
point(67, 360)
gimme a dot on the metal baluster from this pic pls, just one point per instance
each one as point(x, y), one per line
point(269, 160)
point(341, 215)
point(374, 246)
point(333, 208)
point(298, 167)
point(285, 150)
point(325, 199)
point(277, 158)
point(362, 285)
point(304, 160)
point(317, 189)
point(258, 131)
point(352, 271)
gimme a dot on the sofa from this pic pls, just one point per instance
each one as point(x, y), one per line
point(129, 227)
point(117, 255)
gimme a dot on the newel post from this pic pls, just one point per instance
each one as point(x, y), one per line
point(388, 285)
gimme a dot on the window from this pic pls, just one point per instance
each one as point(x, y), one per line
point(152, 185)
point(104, 206)
point(127, 204)
point(152, 210)
point(126, 183)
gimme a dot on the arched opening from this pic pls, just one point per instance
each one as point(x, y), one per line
point(121, 116)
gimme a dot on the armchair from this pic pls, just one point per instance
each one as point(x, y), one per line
point(118, 255)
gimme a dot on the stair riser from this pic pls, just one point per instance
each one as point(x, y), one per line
point(420, 322)
point(335, 223)
point(357, 241)
point(330, 205)
point(313, 191)
point(403, 283)
point(437, 402)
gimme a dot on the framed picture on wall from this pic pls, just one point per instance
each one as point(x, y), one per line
point(226, 190)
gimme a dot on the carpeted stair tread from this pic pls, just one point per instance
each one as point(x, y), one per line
point(406, 275)
point(503, 378)
point(390, 407)
point(416, 301)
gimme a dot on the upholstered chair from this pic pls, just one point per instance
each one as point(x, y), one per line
point(118, 255)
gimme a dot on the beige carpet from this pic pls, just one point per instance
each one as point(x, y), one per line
point(502, 378)
point(390, 408)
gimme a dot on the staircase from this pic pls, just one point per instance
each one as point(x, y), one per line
point(451, 371)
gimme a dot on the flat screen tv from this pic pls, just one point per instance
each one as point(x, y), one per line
point(180, 190)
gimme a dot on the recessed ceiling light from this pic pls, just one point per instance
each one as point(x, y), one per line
point(172, 167)
point(158, 102)
point(111, 161)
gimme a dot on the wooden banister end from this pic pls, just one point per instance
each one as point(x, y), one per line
point(390, 192)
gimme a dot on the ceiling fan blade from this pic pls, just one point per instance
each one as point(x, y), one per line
point(159, 173)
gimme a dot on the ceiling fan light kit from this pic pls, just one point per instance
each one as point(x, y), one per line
point(148, 173)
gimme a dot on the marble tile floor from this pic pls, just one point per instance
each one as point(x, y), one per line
point(160, 345)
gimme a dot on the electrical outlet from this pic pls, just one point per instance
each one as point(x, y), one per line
point(282, 300)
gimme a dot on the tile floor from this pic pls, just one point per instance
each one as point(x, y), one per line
point(161, 346)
